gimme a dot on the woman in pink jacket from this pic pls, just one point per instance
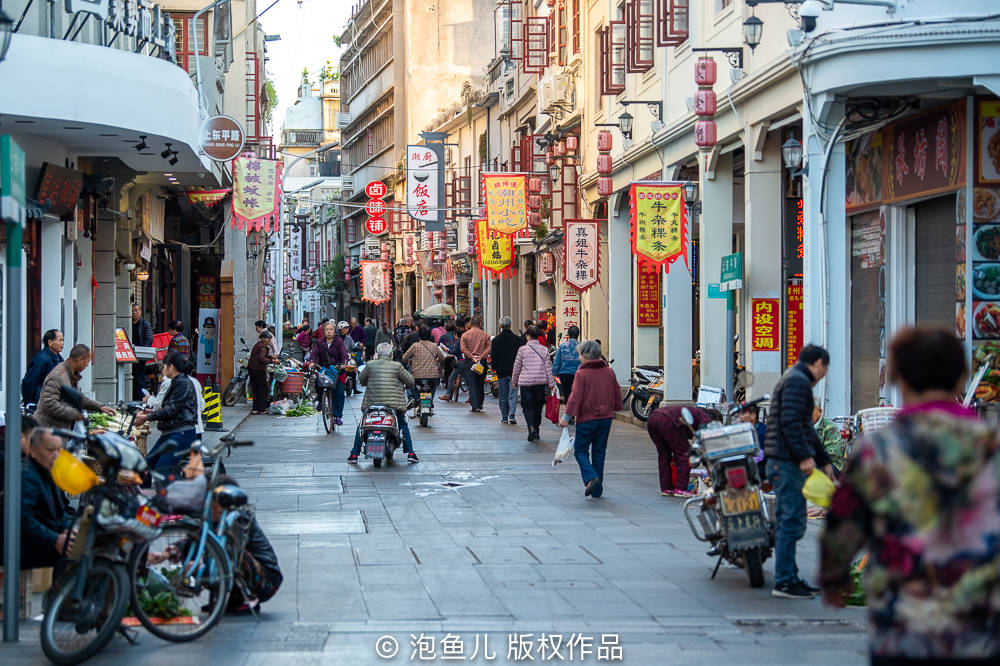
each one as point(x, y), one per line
point(533, 374)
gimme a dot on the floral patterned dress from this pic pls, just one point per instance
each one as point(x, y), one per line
point(922, 496)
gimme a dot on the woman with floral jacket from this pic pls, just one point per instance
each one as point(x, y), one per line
point(921, 495)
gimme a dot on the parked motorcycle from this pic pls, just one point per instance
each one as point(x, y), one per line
point(425, 400)
point(380, 435)
point(491, 383)
point(645, 391)
point(239, 386)
point(734, 514)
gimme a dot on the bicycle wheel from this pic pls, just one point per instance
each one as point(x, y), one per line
point(328, 410)
point(76, 629)
point(179, 599)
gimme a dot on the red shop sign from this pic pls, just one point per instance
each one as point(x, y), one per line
point(376, 226)
point(794, 324)
point(648, 310)
point(375, 189)
point(375, 207)
point(766, 324)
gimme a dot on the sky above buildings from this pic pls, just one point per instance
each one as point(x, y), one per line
point(307, 29)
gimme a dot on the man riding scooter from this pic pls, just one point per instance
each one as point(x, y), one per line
point(387, 382)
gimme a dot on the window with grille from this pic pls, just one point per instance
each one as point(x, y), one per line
point(184, 24)
point(672, 22)
point(536, 45)
point(613, 49)
point(576, 26)
point(640, 21)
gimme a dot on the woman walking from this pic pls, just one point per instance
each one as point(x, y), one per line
point(177, 415)
point(920, 495)
point(533, 375)
point(260, 356)
point(595, 398)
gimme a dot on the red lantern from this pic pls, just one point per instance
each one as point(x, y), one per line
point(705, 133)
point(705, 71)
point(534, 219)
point(705, 102)
point(548, 263)
point(605, 186)
point(604, 162)
point(604, 141)
point(549, 160)
point(572, 143)
point(534, 202)
point(560, 148)
point(534, 185)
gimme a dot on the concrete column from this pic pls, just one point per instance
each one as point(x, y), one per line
point(103, 368)
point(123, 318)
point(715, 229)
point(52, 267)
point(68, 295)
point(762, 262)
point(677, 335)
point(826, 304)
point(647, 338)
point(620, 311)
point(85, 309)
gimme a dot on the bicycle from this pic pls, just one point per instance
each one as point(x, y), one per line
point(181, 581)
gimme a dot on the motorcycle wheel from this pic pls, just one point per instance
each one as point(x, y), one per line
point(753, 563)
point(232, 393)
point(327, 411)
point(495, 389)
point(377, 462)
point(642, 410)
point(73, 631)
point(423, 420)
point(352, 386)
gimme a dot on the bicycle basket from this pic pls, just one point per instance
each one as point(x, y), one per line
point(728, 440)
point(875, 418)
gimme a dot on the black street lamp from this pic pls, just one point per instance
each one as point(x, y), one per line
point(691, 200)
point(753, 29)
point(6, 33)
point(625, 124)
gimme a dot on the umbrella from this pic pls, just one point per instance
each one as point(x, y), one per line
point(438, 310)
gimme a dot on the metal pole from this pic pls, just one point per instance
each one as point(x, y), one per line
point(730, 333)
point(202, 108)
point(12, 441)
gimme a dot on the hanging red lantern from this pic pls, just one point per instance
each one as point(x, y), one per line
point(534, 202)
point(560, 148)
point(548, 263)
point(534, 219)
point(572, 143)
point(705, 133)
point(705, 71)
point(604, 163)
point(534, 185)
point(604, 140)
point(705, 103)
point(605, 186)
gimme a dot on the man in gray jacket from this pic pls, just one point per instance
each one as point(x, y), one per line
point(387, 382)
point(52, 411)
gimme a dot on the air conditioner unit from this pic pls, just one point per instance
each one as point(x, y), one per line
point(545, 97)
point(562, 91)
point(343, 120)
point(346, 186)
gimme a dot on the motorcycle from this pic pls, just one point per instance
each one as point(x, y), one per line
point(239, 386)
point(736, 513)
point(425, 400)
point(491, 383)
point(380, 436)
point(645, 391)
point(351, 371)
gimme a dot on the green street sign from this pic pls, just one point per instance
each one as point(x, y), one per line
point(731, 277)
point(12, 181)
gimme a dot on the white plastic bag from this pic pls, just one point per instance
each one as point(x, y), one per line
point(565, 448)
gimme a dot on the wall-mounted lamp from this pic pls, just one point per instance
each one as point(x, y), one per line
point(142, 275)
point(129, 266)
point(625, 124)
point(691, 199)
point(791, 155)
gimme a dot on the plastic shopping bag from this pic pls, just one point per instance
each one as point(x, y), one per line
point(565, 448)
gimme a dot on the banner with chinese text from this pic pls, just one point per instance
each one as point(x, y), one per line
point(376, 283)
point(765, 324)
point(124, 353)
point(659, 224)
point(256, 193)
point(207, 197)
point(569, 311)
point(506, 203)
point(794, 328)
point(494, 251)
point(648, 311)
point(581, 254)
point(424, 173)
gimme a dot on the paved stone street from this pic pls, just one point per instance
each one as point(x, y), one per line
point(484, 538)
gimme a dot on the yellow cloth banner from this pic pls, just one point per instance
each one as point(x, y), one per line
point(256, 184)
point(496, 251)
point(506, 202)
point(659, 223)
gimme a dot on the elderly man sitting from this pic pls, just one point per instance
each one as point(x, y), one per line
point(386, 381)
point(45, 512)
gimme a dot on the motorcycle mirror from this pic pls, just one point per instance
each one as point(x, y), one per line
point(687, 416)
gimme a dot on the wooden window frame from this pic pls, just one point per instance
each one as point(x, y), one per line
point(609, 65)
point(637, 24)
point(672, 22)
point(535, 45)
point(562, 33)
point(576, 25)
point(185, 48)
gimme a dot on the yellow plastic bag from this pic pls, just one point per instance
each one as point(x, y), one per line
point(818, 489)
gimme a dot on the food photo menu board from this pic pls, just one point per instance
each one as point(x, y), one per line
point(984, 282)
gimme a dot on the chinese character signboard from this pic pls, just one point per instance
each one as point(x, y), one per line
point(295, 231)
point(569, 311)
point(648, 309)
point(123, 348)
point(256, 198)
point(794, 328)
point(581, 254)
point(659, 224)
point(376, 283)
point(222, 138)
point(207, 197)
point(495, 251)
point(506, 203)
point(731, 272)
point(925, 153)
point(424, 174)
point(765, 324)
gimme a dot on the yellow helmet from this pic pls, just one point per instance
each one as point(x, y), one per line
point(71, 475)
point(819, 489)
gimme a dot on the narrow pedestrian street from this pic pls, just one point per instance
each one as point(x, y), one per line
point(484, 538)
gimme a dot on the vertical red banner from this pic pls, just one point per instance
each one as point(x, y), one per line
point(794, 324)
point(765, 315)
point(648, 310)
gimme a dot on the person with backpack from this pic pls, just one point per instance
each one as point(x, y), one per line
point(566, 362)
